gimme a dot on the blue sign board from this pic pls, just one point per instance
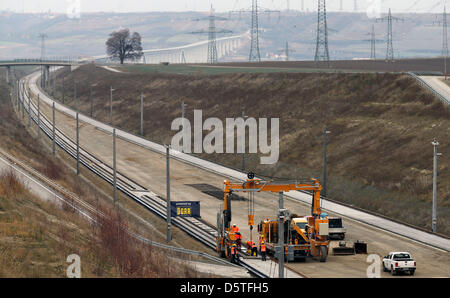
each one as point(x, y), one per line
point(185, 209)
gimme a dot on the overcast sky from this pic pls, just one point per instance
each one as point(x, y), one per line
point(62, 6)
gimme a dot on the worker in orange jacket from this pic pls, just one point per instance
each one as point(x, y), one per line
point(263, 251)
point(238, 240)
point(254, 249)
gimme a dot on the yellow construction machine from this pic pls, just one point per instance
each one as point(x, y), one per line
point(302, 237)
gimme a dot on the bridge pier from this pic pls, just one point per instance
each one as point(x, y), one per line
point(47, 75)
point(8, 73)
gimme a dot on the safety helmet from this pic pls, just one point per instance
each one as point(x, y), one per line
point(234, 244)
point(234, 225)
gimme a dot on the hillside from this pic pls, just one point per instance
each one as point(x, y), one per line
point(37, 235)
point(379, 151)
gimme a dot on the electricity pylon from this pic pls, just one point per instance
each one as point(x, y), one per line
point(373, 41)
point(255, 54)
point(183, 58)
point(44, 78)
point(287, 51)
point(322, 52)
point(444, 34)
point(390, 45)
point(444, 51)
point(212, 34)
point(43, 36)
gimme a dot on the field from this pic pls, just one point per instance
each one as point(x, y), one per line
point(424, 65)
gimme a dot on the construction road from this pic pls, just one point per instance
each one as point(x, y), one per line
point(437, 83)
point(146, 165)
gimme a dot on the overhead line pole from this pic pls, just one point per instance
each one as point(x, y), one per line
point(280, 237)
point(53, 129)
point(39, 117)
point(142, 114)
point(78, 144)
point(114, 166)
point(169, 236)
point(435, 144)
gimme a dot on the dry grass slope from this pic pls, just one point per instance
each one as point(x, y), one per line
point(36, 236)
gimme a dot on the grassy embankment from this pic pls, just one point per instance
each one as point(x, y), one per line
point(379, 150)
point(36, 236)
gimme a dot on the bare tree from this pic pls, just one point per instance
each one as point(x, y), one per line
point(121, 46)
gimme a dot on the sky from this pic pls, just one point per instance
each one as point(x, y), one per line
point(119, 6)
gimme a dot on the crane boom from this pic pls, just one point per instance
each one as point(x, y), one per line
point(313, 237)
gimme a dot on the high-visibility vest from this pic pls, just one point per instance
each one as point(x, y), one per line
point(263, 248)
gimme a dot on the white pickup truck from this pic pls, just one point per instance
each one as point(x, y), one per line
point(399, 262)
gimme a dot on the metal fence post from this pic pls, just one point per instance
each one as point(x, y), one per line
point(281, 238)
point(110, 105)
point(53, 128)
point(169, 237)
point(92, 102)
point(39, 117)
point(435, 144)
point(114, 166)
point(29, 111)
point(63, 89)
point(78, 146)
point(142, 114)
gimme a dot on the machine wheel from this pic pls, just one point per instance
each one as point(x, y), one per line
point(222, 254)
point(384, 268)
point(392, 271)
point(411, 272)
point(322, 254)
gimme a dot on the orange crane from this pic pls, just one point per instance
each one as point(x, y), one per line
point(315, 235)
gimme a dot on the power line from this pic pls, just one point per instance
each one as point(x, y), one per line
point(322, 52)
point(43, 36)
point(255, 54)
point(373, 54)
point(212, 36)
point(373, 41)
point(390, 46)
point(444, 34)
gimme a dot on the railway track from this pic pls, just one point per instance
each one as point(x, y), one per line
point(196, 228)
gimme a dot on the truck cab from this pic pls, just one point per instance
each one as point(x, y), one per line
point(336, 230)
point(301, 223)
point(396, 262)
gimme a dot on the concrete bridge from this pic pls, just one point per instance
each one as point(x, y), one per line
point(45, 64)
